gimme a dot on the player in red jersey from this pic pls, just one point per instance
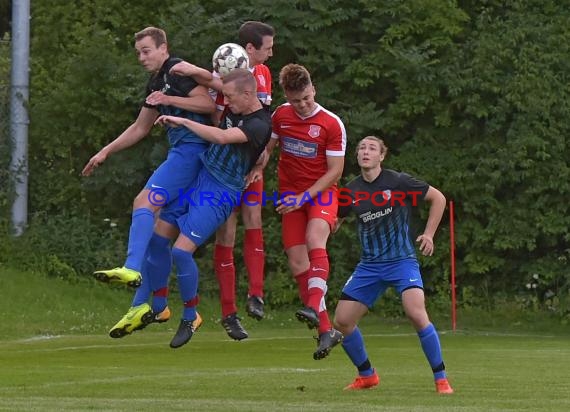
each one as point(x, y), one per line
point(312, 144)
point(257, 39)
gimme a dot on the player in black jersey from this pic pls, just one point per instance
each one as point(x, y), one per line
point(382, 200)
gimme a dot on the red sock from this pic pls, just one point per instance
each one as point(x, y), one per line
point(318, 275)
point(226, 275)
point(254, 257)
point(324, 322)
point(302, 280)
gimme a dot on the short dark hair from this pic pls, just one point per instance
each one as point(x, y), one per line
point(243, 78)
point(158, 35)
point(294, 77)
point(253, 32)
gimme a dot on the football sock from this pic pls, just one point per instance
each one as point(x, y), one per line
point(155, 272)
point(159, 265)
point(302, 280)
point(324, 321)
point(318, 275)
point(142, 228)
point(226, 274)
point(353, 345)
point(432, 350)
point(254, 258)
point(142, 293)
point(187, 281)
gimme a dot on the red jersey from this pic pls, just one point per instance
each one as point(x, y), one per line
point(263, 78)
point(305, 144)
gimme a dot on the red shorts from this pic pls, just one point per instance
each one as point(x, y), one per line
point(252, 195)
point(294, 224)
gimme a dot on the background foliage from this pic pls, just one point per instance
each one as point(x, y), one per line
point(471, 96)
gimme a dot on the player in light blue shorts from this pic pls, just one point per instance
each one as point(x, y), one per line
point(382, 200)
point(166, 94)
point(369, 281)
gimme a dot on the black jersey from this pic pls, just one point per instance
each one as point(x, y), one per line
point(230, 163)
point(383, 208)
point(174, 85)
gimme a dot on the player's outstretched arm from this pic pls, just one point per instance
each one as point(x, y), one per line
point(198, 101)
point(210, 133)
point(201, 75)
point(133, 134)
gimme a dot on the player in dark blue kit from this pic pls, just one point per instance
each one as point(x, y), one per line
point(166, 94)
point(382, 200)
point(236, 146)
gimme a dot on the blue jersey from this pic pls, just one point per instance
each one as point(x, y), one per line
point(230, 163)
point(383, 208)
point(174, 85)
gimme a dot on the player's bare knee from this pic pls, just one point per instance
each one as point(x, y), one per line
point(343, 324)
point(252, 217)
point(298, 266)
point(418, 318)
point(315, 241)
point(226, 237)
point(142, 201)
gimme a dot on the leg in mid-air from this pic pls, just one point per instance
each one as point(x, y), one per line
point(310, 276)
point(155, 275)
point(163, 192)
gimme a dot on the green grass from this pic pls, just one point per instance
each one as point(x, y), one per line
point(64, 360)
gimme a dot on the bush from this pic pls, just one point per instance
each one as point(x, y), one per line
point(64, 246)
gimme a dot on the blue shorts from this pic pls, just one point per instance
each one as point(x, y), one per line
point(173, 176)
point(369, 281)
point(210, 204)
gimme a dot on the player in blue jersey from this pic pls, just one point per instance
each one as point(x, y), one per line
point(236, 146)
point(167, 94)
point(257, 40)
point(382, 200)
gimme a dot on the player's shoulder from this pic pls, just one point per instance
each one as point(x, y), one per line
point(168, 64)
point(330, 117)
point(356, 183)
point(395, 177)
point(353, 182)
point(261, 116)
point(261, 69)
point(282, 110)
point(391, 175)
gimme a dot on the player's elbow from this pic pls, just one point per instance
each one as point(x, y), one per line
point(435, 196)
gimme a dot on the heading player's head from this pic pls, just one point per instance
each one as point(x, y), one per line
point(371, 152)
point(240, 91)
point(257, 40)
point(151, 48)
point(298, 88)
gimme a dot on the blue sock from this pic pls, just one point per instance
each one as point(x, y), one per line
point(353, 345)
point(187, 281)
point(432, 349)
point(143, 291)
point(159, 265)
point(142, 227)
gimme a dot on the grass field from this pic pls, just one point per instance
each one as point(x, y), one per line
point(59, 365)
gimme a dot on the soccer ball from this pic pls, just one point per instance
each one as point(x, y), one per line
point(229, 56)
